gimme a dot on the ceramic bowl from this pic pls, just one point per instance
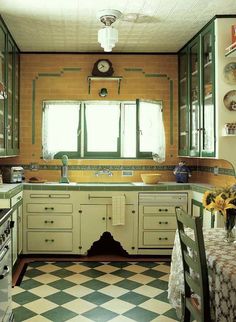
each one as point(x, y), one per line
point(150, 178)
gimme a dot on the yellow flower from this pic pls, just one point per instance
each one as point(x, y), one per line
point(207, 200)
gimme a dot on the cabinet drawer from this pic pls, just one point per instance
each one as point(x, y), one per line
point(49, 241)
point(18, 197)
point(49, 222)
point(158, 209)
point(49, 208)
point(158, 238)
point(159, 222)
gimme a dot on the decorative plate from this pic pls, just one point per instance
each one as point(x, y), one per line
point(230, 73)
point(230, 100)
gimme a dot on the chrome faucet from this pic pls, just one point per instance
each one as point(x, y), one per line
point(64, 169)
point(104, 172)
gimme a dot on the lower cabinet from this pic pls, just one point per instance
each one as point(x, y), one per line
point(157, 221)
point(16, 217)
point(96, 218)
point(50, 222)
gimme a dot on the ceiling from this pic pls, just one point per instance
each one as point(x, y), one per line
point(72, 25)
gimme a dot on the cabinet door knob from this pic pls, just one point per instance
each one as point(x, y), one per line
point(103, 218)
point(133, 211)
point(109, 218)
point(80, 211)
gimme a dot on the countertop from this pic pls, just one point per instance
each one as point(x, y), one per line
point(9, 190)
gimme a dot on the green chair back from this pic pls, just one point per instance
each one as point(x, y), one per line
point(194, 269)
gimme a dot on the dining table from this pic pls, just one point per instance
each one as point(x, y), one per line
point(221, 264)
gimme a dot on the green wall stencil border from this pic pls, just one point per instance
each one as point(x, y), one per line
point(55, 74)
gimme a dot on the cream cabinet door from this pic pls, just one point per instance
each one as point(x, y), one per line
point(93, 225)
point(125, 234)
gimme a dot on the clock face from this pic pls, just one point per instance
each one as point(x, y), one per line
point(103, 66)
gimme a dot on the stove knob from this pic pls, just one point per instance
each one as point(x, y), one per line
point(1, 240)
point(7, 231)
point(3, 237)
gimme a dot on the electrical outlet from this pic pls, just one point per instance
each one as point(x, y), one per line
point(34, 166)
point(127, 173)
point(216, 171)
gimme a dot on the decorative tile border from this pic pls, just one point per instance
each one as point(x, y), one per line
point(57, 74)
point(222, 171)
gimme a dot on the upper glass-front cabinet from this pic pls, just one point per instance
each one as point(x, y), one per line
point(183, 103)
point(196, 91)
point(9, 94)
point(208, 97)
point(3, 93)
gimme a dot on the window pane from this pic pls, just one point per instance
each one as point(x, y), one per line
point(60, 128)
point(129, 131)
point(102, 122)
point(152, 135)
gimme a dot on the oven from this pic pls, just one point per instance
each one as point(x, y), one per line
point(5, 266)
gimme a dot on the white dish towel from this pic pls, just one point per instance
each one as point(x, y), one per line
point(118, 210)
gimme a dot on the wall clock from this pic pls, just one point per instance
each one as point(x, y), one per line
point(103, 67)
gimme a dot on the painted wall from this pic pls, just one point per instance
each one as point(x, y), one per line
point(64, 77)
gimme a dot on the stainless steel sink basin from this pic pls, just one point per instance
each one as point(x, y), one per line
point(104, 183)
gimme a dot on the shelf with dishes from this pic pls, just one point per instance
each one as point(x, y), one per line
point(231, 50)
point(229, 129)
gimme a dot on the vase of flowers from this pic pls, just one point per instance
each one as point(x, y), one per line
point(224, 201)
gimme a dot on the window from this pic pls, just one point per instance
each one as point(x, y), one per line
point(102, 129)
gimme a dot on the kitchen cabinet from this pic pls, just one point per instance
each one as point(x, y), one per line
point(9, 92)
point(157, 221)
point(50, 224)
point(16, 217)
point(96, 218)
point(196, 96)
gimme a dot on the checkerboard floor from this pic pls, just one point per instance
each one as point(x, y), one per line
point(94, 291)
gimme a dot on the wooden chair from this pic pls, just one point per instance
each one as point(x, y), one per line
point(194, 259)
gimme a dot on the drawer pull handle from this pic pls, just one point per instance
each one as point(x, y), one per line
point(163, 222)
point(49, 208)
point(161, 209)
point(49, 240)
point(163, 238)
point(48, 221)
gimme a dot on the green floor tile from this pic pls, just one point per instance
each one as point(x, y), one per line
point(123, 273)
point(100, 314)
point(60, 298)
point(153, 273)
point(171, 314)
point(61, 284)
point(62, 273)
point(31, 273)
point(94, 284)
point(25, 297)
point(29, 284)
point(140, 315)
point(159, 284)
point(128, 285)
point(93, 273)
point(133, 298)
point(97, 298)
point(90, 264)
point(22, 314)
point(163, 297)
point(59, 314)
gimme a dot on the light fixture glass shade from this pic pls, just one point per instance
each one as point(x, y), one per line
point(107, 37)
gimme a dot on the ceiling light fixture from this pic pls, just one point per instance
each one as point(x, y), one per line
point(108, 35)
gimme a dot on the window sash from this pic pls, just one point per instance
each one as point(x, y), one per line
point(130, 112)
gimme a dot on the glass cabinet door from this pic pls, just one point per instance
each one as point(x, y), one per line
point(16, 102)
point(183, 104)
point(10, 89)
point(194, 104)
point(208, 112)
point(3, 93)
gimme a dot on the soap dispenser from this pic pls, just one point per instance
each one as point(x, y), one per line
point(64, 169)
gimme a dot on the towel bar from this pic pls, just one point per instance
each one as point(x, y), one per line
point(100, 197)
